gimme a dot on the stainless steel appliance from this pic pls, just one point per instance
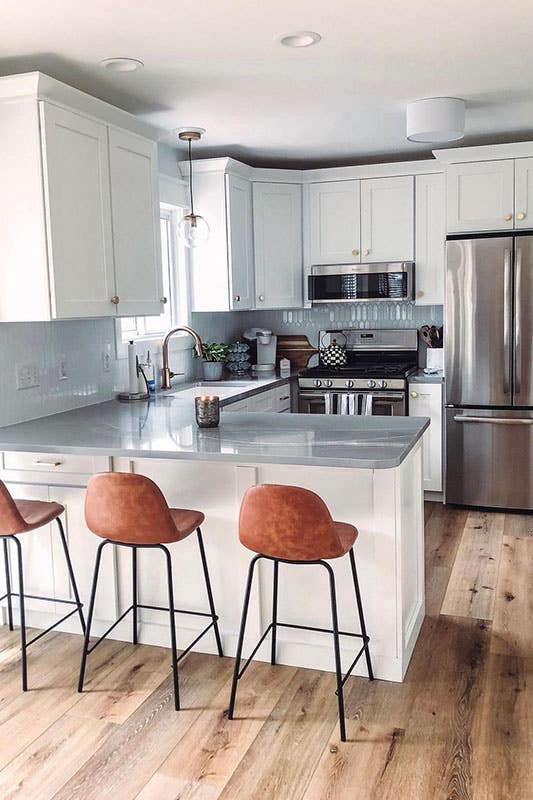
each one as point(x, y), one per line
point(349, 283)
point(489, 368)
point(373, 381)
point(262, 349)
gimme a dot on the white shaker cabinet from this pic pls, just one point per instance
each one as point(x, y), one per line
point(523, 172)
point(136, 227)
point(480, 196)
point(78, 209)
point(222, 268)
point(335, 222)
point(425, 400)
point(78, 214)
point(387, 219)
point(430, 234)
point(277, 216)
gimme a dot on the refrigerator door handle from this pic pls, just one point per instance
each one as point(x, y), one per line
point(494, 420)
point(518, 323)
point(507, 321)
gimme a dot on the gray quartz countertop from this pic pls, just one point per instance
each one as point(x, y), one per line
point(165, 428)
point(421, 377)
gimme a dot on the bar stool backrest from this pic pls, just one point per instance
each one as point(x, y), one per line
point(288, 522)
point(11, 520)
point(128, 508)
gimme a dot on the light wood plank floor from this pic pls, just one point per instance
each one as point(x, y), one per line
point(459, 728)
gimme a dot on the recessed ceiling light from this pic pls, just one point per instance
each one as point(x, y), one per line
point(122, 64)
point(299, 39)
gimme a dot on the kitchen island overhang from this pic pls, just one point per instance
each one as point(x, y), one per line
point(367, 469)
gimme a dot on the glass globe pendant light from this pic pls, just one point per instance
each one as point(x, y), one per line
point(193, 229)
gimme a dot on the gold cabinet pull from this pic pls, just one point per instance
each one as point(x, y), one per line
point(507, 217)
point(521, 215)
point(355, 252)
point(115, 299)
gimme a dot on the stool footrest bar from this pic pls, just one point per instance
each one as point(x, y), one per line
point(51, 628)
point(108, 631)
point(176, 610)
point(40, 597)
point(189, 648)
point(254, 651)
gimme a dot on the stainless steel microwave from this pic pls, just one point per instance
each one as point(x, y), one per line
point(352, 283)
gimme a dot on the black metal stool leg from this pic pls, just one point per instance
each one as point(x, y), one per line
point(22, 616)
point(274, 612)
point(172, 621)
point(209, 592)
point(90, 614)
point(134, 593)
point(336, 645)
point(240, 642)
point(71, 573)
point(361, 615)
point(8, 585)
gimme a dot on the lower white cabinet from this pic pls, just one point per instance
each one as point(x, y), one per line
point(425, 400)
point(277, 401)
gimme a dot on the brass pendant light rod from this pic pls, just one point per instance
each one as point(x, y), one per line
point(190, 135)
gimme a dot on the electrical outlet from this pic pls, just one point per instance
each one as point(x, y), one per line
point(106, 358)
point(62, 372)
point(28, 376)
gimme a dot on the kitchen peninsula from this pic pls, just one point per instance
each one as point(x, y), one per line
point(367, 469)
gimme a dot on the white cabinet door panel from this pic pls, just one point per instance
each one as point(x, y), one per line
point(240, 246)
point(430, 239)
point(480, 196)
point(425, 400)
point(135, 215)
point(523, 192)
point(277, 214)
point(387, 219)
point(335, 224)
point(78, 211)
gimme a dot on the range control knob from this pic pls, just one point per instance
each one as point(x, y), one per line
point(317, 383)
point(329, 384)
point(371, 384)
point(350, 384)
point(382, 384)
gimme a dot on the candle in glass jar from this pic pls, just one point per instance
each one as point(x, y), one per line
point(207, 411)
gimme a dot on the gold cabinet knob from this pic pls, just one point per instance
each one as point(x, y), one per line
point(237, 298)
point(115, 299)
point(521, 215)
point(355, 252)
point(164, 300)
point(366, 252)
point(420, 293)
point(507, 217)
point(414, 394)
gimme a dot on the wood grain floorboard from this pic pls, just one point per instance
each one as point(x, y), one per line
point(471, 590)
point(460, 727)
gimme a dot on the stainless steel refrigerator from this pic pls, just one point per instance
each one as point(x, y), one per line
point(489, 371)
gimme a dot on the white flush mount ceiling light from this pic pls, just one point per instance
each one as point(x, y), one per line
point(436, 119)
point(122, 64)
point(193, 229)
point(299, 39)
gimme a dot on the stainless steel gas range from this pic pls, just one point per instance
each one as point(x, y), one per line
point(373, 381)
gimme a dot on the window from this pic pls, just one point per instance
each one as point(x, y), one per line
point(175, 289)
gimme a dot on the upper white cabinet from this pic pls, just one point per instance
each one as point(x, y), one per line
point(135, 216)
point(480, 196)
point(523, 171)
point(79, 208)
point(430, 233)
point(368, 220)
point(335, 222)
point(277, 216)
point(387, 219)
point(222, 268)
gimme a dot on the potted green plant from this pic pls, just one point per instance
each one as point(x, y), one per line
point(214, 355)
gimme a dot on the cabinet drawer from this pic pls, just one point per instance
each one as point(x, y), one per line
point(58, 464)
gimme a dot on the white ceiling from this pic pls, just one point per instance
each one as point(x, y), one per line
point(216, 65)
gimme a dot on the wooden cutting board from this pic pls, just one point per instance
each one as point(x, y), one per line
point(297, 348)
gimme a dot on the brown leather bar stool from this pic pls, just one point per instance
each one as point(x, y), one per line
point(292, 525)
point(130, 511)
point(23, 516)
